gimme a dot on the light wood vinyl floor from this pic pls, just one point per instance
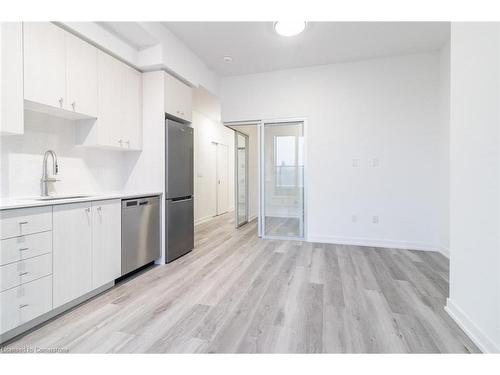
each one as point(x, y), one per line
point(238, 293)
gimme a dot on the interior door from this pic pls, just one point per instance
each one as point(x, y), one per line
point(241, 178)
point(222, 179)
point(283, 180)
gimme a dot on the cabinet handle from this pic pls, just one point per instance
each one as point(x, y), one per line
point(120, 142)
point(23, 305)
point(23, 273)
point(73, 105)
point(61, 101)
point(128, 143)
point(23, 222)
point(24, 248)
point(87, 210)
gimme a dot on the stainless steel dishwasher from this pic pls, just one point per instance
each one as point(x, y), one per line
point(140, 232)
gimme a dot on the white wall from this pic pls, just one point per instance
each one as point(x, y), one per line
point(474, 182)
point(386, 109)
point(81, 170)
point(209, 129)
point(443, 159)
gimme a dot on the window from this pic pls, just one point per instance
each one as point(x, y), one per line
point(288, 161)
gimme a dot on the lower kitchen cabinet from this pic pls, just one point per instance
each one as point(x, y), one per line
point(72, 252)
point(106, 242)
point(25, 302)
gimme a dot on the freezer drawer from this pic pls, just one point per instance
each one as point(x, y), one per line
point(140, 232)
point(179, 227)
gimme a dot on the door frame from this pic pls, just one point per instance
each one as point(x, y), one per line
point(236, 184)
point(262, 123)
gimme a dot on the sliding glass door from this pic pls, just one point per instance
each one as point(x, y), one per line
point(241, 172)
point(282, 171)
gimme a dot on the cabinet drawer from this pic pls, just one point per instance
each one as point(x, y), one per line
point(24, 271)
point(24, 303)
point(25, 247)
point(19, 222)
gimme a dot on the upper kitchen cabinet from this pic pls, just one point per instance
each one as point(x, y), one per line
point(60, 72)
point(11, 78)
point(178, 98)
point(81, 76)
point(119, 115)
point(132, 108)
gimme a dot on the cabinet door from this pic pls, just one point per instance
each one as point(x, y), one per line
point(109, 93)
point(11, 78)
point(178, 98)
point(106, 242)
point(81, 76)
point(131, 103)
point(44, 63)
point(186, 105)
point(72, 255)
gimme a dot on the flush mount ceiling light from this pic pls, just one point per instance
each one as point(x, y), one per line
point(289, 28)
point(228, 59)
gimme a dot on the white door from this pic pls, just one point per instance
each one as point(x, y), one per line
point(106, 242)
point(72, 251)
point(81, 76)
point(222, 179)
point(44, 63)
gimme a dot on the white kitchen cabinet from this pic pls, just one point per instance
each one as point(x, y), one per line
point(106, 242)
point(72, 251)
point(81, 76)
point(60, 72)
point(178, 98)
point(25, 302)
point(44, 64)
point(132, 108)
point(11, 78)
point(23, 221)
point(119, 117)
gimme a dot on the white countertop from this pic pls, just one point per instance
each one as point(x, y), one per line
point(21, 202)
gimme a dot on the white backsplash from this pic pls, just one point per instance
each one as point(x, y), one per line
point(81, 170)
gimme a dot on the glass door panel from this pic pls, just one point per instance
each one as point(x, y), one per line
point(241, 142)
point(283, 180)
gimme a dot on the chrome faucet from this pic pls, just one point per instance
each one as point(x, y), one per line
point(45, 177)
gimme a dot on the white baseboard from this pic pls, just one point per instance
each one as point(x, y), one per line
point(203, 220)
point(392, 244)
point(483, 342)
point(444, 251)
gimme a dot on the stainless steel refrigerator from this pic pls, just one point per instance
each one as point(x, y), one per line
point(179, 216)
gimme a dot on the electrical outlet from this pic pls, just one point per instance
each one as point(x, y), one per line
point(354, 218)
point(355, 163)
point(375, 219)
point(375, 162)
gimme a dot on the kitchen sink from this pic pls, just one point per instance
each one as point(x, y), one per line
point(59, 197)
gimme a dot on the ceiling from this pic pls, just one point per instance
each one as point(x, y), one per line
point(255, 47)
